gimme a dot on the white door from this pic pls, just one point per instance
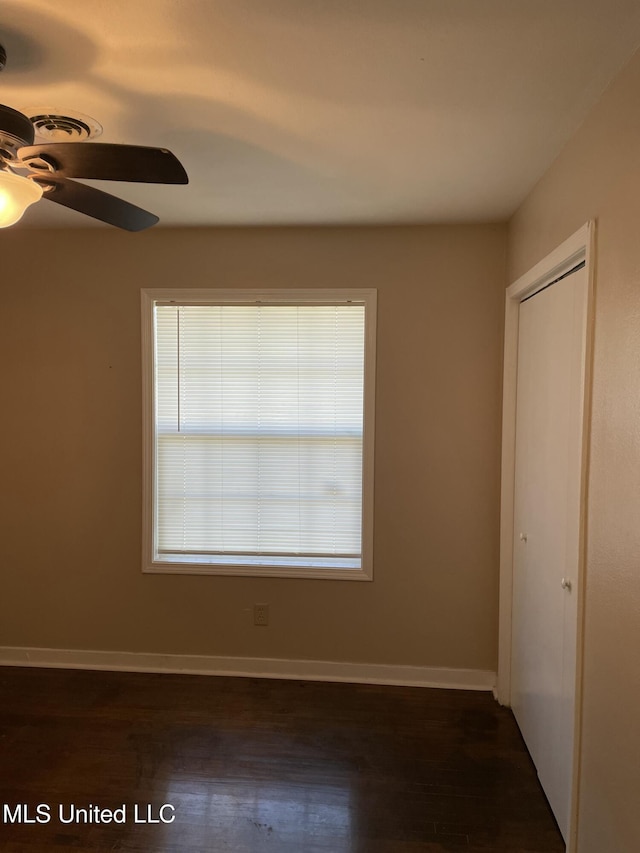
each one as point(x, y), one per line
point(549, 426)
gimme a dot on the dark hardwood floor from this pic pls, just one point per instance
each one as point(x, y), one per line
point(261, 766)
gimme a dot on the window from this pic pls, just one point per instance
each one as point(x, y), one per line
point(258, 432)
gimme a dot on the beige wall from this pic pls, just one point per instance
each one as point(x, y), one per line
point(71, 428)
point(598, 176)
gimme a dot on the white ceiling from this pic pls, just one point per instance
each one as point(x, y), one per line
point(322, 111)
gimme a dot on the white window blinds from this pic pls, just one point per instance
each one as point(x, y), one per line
point(259, 434)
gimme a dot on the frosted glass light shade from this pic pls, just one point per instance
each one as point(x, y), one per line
point(16, 194)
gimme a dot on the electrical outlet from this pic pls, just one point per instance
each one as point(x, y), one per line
point(261, 614)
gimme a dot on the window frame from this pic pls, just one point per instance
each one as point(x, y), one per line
point(287, 296)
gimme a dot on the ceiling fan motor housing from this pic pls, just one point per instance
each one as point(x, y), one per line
point(16, 130)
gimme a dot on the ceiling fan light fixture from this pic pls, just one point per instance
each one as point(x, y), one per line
point(16, 194)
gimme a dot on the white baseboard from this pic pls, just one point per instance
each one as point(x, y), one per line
point(304, 670)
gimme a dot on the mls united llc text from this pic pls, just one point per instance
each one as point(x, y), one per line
point(71, 813)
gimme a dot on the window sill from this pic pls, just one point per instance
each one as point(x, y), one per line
point(163, 567)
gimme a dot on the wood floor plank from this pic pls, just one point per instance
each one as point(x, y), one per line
point(254, 766)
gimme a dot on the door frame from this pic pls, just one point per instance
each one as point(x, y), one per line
point(577, 248)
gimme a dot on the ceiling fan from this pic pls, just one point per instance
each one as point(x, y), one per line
point(30, 172)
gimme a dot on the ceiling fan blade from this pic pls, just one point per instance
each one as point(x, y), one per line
point(95, 203)
point(107, 162)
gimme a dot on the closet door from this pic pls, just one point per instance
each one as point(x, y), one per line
point(549, 425)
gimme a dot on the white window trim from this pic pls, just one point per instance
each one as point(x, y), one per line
point(149, 296)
